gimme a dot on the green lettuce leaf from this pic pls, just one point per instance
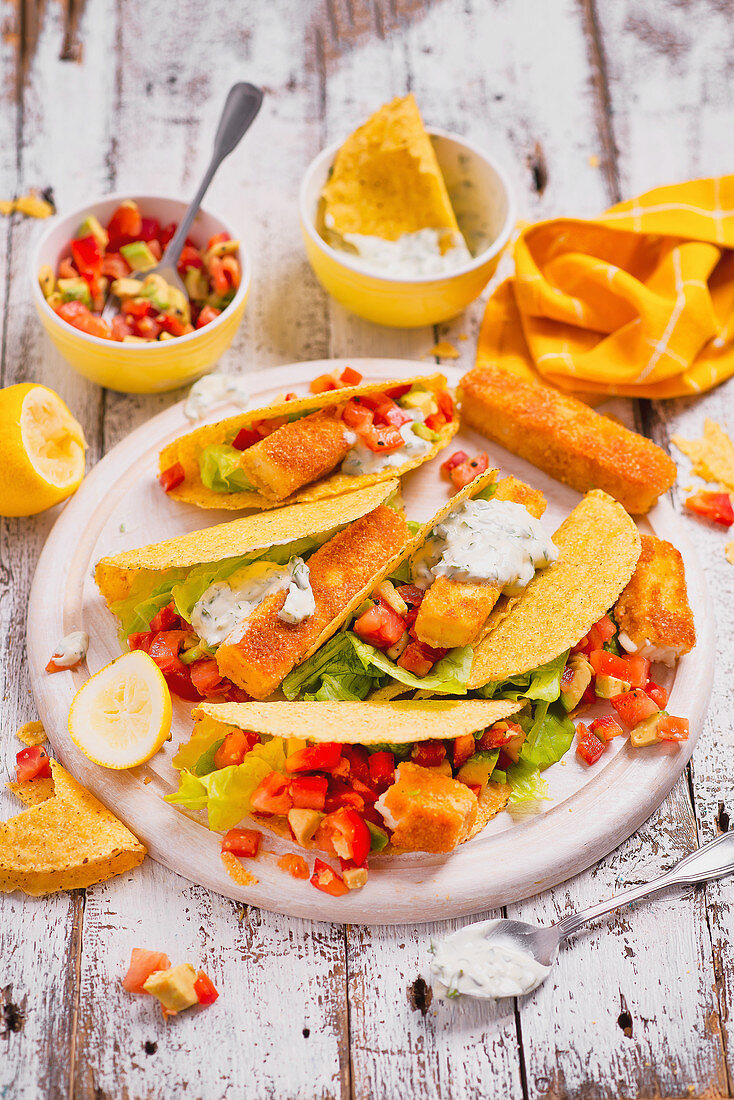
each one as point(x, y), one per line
point(220, 469)
point(549, 736)
point(540, 684)
point(448, 676)
point(149, 592)
point(349, 688)
point(206, 738)
point(337, 662)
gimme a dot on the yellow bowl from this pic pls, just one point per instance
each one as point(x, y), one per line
point(138, 368)
point(485, 209)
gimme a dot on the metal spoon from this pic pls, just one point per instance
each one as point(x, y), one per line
point(240, 110)
point(464, 964)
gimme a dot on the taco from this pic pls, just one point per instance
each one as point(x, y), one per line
point(350, 778)
point(311, 448)
point(227, 612)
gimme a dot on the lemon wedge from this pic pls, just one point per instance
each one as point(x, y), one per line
point(122, 715)
point(42, 448)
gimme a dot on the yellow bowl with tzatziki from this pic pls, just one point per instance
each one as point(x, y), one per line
point(378, 289)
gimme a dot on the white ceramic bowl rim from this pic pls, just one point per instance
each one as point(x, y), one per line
point(347, 259)
point(118, 197)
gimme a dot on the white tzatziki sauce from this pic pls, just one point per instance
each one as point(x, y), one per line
point(492, 542)
point(299, 603)
point(412, 253)
point(361, 460)
point(662, 654)
point(226, 604)
point(474, 963)
point(211, 390)
point(71, 650)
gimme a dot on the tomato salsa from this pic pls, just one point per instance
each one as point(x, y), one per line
point(103, 260)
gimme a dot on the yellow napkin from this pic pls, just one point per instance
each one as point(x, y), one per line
point(638, 302)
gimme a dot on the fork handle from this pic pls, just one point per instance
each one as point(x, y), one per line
point(712, 860)
point(239, 112)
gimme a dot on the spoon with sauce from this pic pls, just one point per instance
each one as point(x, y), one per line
point(508, 958)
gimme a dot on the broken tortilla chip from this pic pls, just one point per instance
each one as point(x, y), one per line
point(598, 550)
point(32, 733)
point(712, 456)
point(66, 842)
point(492, 801)
point(33, 791)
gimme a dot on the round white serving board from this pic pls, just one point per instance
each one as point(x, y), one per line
point(120, 506)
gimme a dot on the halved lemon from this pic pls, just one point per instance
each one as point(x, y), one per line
point(42, 448)
point(122, 715)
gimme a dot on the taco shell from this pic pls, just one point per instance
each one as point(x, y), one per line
point(186, 449)
point(66, 841)
point(598, 550)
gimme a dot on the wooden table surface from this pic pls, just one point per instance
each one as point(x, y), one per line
point(585, 102)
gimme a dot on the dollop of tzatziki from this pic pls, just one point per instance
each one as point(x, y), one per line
point(225, 604)
point(416, 253)
point(492, 542)
point(213, 389)
point(361, 460)
point(71, 650)
point(474, 963)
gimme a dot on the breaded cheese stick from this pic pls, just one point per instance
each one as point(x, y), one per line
point(653, 613)
point(452, 613)
point(295, 454)
point(260, 652)
point(566, 438)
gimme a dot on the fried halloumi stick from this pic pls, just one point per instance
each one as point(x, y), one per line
point(295, 454)
point(453, 613)
point(428, 811)
point(260, 652)
point(653, 613)
point(566, 438)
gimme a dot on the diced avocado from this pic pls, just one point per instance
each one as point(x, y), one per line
point(420, 399)
point(55, 300)
point(165, 336)
point(178, 304)
point(91, 227)
point(295, 744)
point(354, 877)
point(126, 288)
point(138, 255)
point(174, 988)
point(47, 280)
point(646, 732)
point(606, 687)
point(197, 284)
point(513, 748)
point(426, 433)
point(379, 837)
point(304, 824)
point(135, 340)
point(201, 649)
point(572, 690)
point(221, 249)
point(75, 290)
point(475, 771)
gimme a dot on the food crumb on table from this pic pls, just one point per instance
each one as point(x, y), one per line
point(32, 733)
point(236, 871)
point(444, 350)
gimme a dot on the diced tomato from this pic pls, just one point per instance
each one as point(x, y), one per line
point(218, 238)
point(268, 425)
point(428, 754)
point(142, 964)
point(295, 866)
point(135, 308)
point(464, 747)
point(207, 315)
point(32, 763)
point(87, 255)
point(384, 440)
point(420, 658)
point(504, 761)
point(245, 438)
point(359, 762)
point(382, 769)
point(388, 412)
point(411, 594)
point(345, 834)
point(190, 257)
point(172, 477)
point(236, 694)
point(114, 266)
point(606, 628)
point(367, 793)
point(435, 421)
point(206, 677)
point(147, 328)
point(322, 384)
point(149, 229)
point(67, 270)
point(501, 733)
point(165, 619)
point(166, 233)
point(463, 474)
point(350, 377)
point(445, 403)
point(141, 640)
point(380, 626)
point(357, 415)
point(204, 989)
point(716, 507)
point(323, 757)
point(633, 670)
point(634, 707)
point(605, 728)
point(169, 322)
point(235, 747)
point(588, 746)
point(325, 878)
point(124, 226)
point(52, 667)
point(77, 314)
point(673, 729)
point(341, 794)
point(309, 791)
point(119, 328)
point(242, 842)
point(657, 693)
point(164, 650)
point(272, 795)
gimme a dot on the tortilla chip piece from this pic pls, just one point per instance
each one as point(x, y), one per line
point(599, 546)
point(400, 722)
point(236, 871)
point(386, 179)
point(33, 791)
point(67, 842)
point(712, 455)
point(239, 537)
point(32, 733)
point(187, 448)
